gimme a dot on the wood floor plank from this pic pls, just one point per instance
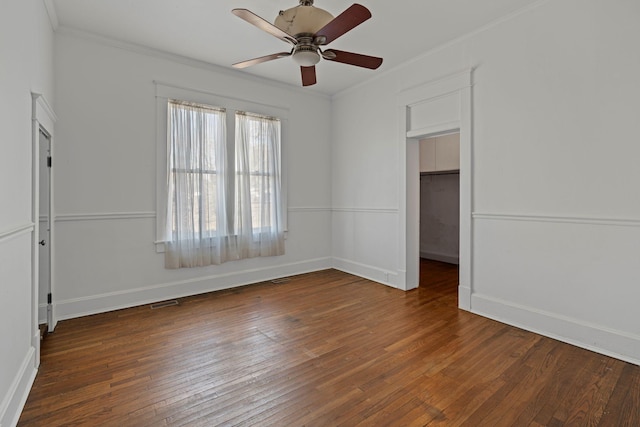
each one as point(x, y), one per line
point(322, 349)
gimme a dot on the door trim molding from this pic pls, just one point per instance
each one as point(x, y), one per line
point(42, 118)
point(459, 85)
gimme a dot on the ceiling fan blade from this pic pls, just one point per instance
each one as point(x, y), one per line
point(264, 25)
point(266, 58)
point(355, 15)
point(308, 75)
point(357, 59)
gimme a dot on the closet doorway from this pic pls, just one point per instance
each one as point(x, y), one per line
point(439, 207)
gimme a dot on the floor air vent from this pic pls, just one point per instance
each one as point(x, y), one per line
point(164, 304)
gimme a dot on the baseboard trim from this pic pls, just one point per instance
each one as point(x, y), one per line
point(42, 313)
point(451, 259)
point(613, 343)
point(13, 402)
point(385, 277)
point(78, 307)
point(464, 298)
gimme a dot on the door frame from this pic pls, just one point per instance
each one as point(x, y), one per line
point(44, 144)
point(42, 118)
point(444, 105)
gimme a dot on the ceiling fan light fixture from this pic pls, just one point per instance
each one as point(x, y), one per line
point(306, 57)
point(306, 28)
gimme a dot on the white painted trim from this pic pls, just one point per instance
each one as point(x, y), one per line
point(375, 274)
point(367, 210)
point(464, 297)
point(16, 231)
point(42, 106)
point(617, 222)
point(451, 259)
point(432, 90)
point(53, 15)
point(460, 82)
point(42, 313)
point(408, 64)
point(167, 90)
point(309, 209)
point(100, 216)
point(77, 307)
point(466, 194)
point(435, 130)
point(42, 118)
point(613, 343)
point(401, 280)
point(13, 402)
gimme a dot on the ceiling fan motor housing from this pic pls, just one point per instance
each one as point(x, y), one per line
point(303, 19)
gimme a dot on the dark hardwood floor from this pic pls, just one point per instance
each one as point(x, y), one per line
point(324, 349)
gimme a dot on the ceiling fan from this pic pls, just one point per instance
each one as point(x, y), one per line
point(306, 28)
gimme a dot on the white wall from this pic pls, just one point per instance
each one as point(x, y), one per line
point(440, 217)
point(106, 177)
point(26, 41)
point(556, 222)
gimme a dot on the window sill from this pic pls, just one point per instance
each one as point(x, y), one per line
point(160, 244)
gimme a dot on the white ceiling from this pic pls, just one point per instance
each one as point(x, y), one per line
point(206, 30)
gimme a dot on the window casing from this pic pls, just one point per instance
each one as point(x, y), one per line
point(232, 109)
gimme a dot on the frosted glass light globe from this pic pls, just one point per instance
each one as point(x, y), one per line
point(306, 58)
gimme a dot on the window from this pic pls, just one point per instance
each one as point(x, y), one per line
point(195, 185)
point(258, 160)
point(223, 193)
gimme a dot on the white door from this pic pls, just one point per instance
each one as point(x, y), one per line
point(44, 279)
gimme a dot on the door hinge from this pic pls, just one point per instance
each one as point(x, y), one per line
point(49, 161)
point(49, 299)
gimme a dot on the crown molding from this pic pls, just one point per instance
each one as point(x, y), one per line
point(196, 63)
point(495, 23)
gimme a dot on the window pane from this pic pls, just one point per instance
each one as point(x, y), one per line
point(258, 157)
point(196, 155)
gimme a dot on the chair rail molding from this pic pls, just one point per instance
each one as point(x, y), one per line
point(566, 219)
point(99, 216)
point(16, 231)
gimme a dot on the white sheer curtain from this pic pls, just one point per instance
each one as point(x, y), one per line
point(217, 212)
point(259, 223)
point(197, 229)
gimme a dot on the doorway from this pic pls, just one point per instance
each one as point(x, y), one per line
point(439, 210)
point(435, 107)
point(44, 232)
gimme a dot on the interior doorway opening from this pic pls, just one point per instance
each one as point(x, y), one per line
point(435, 108)
point(439, 217)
